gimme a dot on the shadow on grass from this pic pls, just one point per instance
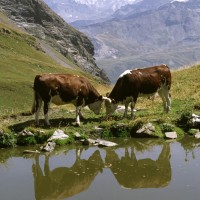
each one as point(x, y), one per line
point(55, 123)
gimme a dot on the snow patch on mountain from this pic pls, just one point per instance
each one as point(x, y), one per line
point(102, 4)
point(180, 1)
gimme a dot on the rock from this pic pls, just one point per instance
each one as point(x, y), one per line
point(85, 142)
point(58, 135)
point(104, 143)
point(197, 135)
point(26, 133)
point(88, 141)
point(171, 135)
point(98, 129)
point(146, 130)
point(49, 146)
point(91, 141)
point(77, 135)
point(30, 151)
point(195, 120)
point(121, 109)
point(98, 142)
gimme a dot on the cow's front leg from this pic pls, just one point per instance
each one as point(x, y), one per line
point(81, 115)
point(46, 109)
point(126, 109)
point(37, 109)
point(78, 113)
point(132, 109)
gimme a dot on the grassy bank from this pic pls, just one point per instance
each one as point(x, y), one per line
point(22, 58)
point(185, 101)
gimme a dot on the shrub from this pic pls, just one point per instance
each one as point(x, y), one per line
point(120, 130)
point(166, 127)
point(185, 118)
point(26, 140)
point(7, 140)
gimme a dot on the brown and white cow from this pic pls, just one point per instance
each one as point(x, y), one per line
point(62, 89)
point(140, 82)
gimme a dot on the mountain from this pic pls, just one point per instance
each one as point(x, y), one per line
point(73, 10)
point(139, 7)
point(138, 33)
point(38, 19)
point(166, 33)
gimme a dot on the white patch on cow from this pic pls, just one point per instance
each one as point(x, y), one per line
point(78, 111)
point(124, 73)
point(140, 73)
point(164, 94)
point(57, 100)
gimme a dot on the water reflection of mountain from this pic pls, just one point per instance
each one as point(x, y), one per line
point(130, 172)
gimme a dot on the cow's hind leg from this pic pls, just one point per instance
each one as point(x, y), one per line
point(126, 109)
point(132, 109)
point(38, 104)
point(168, 99)
point(78, 113)
point(46, 109)
point(164, 94)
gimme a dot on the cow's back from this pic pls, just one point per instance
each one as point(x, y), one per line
point(67, 86)
point(141, 81)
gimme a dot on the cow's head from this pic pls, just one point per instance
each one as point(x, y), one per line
point(111, 106)
point(96, 106)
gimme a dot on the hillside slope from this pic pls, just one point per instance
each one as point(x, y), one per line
point(21, 59)
point(39, 20)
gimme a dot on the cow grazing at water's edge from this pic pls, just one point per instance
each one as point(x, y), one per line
point(140, 82)
point(62, 89)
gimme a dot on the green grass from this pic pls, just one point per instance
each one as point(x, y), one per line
point(22, 58)
point(184, 103)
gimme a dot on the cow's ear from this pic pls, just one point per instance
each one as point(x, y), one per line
point(107, 94)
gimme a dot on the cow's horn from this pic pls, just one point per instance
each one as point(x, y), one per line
point(107, 99)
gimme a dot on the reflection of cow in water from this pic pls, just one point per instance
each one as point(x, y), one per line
point(143, 173)
point(64, 182)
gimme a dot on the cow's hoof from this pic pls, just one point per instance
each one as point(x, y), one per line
point(77, 124)
point(47, 125)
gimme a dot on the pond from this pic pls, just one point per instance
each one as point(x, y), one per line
point(135, 169)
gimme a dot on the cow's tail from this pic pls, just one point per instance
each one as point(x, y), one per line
point(33, 109)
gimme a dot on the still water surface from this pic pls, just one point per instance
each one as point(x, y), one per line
point(136, 169)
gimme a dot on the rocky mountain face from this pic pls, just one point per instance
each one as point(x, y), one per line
point(39, 20)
